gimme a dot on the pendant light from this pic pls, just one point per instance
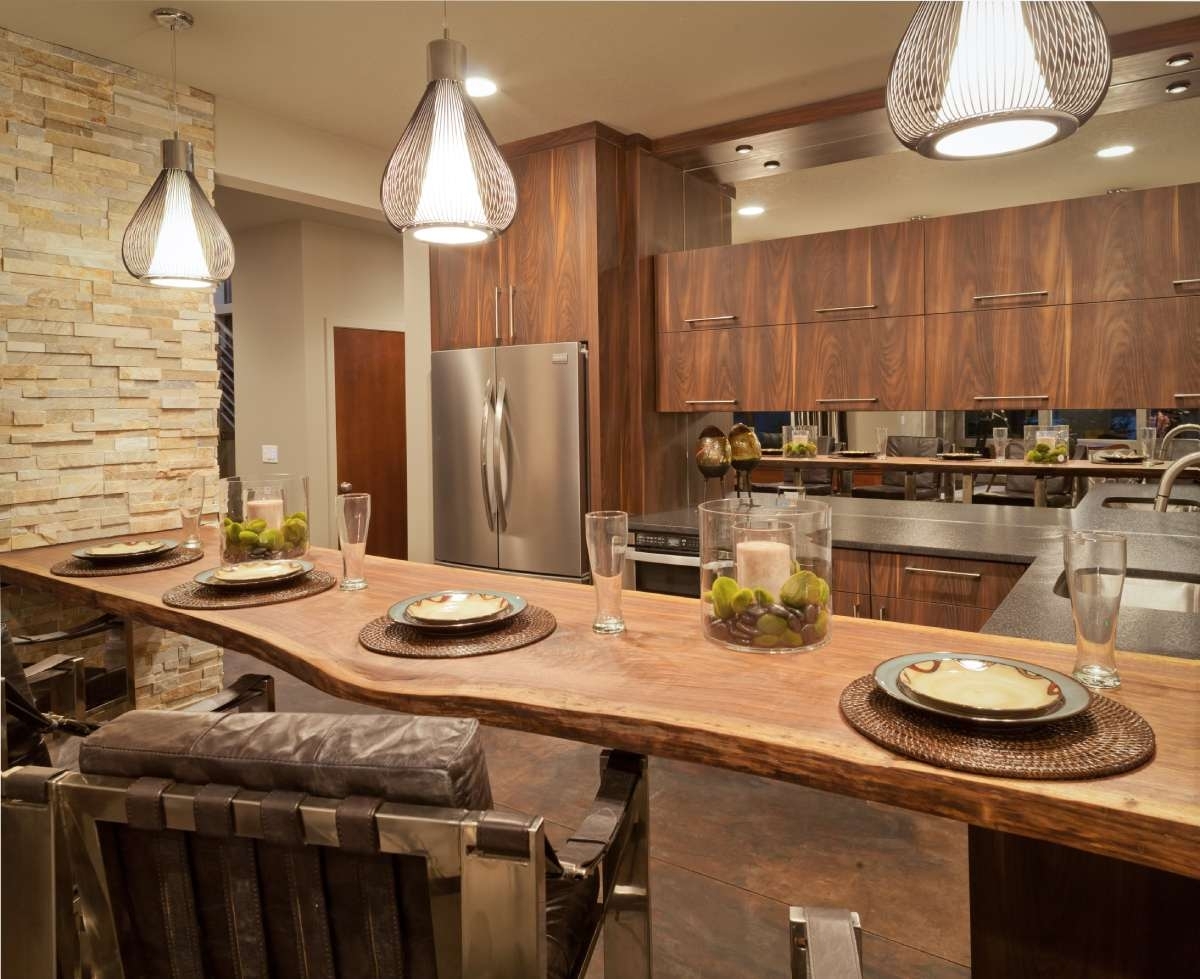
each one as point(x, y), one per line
point(983, 78)
point(175, 237)
point(447, 181)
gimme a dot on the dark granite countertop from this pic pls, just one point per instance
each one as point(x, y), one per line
point(1158, 543)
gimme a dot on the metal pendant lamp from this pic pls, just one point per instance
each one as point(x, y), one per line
point(447, 181)
point(984, 78)
point(175, 237)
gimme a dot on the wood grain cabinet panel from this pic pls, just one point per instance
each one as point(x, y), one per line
point(1015, 256)
point(701, 289)
point(1120, 245)
point(962, 617)
point(1135, 354)
point(951, 581)
point(726, 370)
point(862, 365)
point(1185, 240)
point(851, 570)
point(1005, 358)
point(857, 605)
point(464, 295)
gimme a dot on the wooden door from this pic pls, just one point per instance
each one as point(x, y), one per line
point(549, 252)
point(1135, 355)
point(1185, 240)
point(465, 295)
point(1002, 359)
point(726, 370)
point(1015, 256)
point(1120, 245)
point(863, 365)
point(368, 382)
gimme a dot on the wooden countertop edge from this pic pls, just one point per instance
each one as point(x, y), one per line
point(908, 784)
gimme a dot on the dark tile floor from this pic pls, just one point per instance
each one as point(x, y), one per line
point(730, 852)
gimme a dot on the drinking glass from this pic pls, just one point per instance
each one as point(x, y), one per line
point(1095, 568)
point(881, 442)
point(1147, 442)
point(607, 534)
point(1000, 442)
point(353, 519)
point(191, 506)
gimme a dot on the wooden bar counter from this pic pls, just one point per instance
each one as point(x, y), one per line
point(661, 689)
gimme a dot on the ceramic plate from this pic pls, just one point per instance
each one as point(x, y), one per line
point(253, 574)
point(958, 455)
point(125, 550)
point(857, 453)
point(982, 689)
point(1131, 458)
point(457, 610)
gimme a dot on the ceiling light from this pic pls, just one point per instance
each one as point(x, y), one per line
point(751, 210)
point(1110, 151)
point(446, 180)
point(1178, 88)
point(1179, 60)
point(771, 165)
point(743, 149)
point(479, 87)
point(175, 237)
point(990, 77)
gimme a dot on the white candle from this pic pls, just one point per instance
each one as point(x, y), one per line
point(269, 510)
point(763, 564)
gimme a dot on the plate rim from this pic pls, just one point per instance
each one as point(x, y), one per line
point(1076, 697)
point(205, 577)
point(983, 711)
point(169, 544)
point(857, 453)
point(517, 604)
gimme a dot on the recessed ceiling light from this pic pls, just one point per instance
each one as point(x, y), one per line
point(1178, 88)
point(751, 210)
point(1179, 60)
point(771, 165)
point(743, 149)
point(479, 87)
point(1110, 151)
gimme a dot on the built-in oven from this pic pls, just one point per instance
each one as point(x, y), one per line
point(668, 564)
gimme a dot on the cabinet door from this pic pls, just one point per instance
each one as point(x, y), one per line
point(703, 289)
point(1009, 358)
point(726, 370)
point(861, 365)
point(1135, 355)
point(1185, 241)
point(943, 580)
point(549, 252)
point(851, 570)
point(464, 295)
point(856, 605)
point(1015, 256)
point(962, 617)
point(1120, 245)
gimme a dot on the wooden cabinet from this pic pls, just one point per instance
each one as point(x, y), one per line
point(863, 365)
point(726, 370)
point(952, 581)
point(1135, 354)
point(857, 605)
point(1015, 256)
point(1005, 358)
point(1185, 240)
point(851, 570)
point(464, 295)
point(1120, 245)
point(705, 288)
point(962, 617)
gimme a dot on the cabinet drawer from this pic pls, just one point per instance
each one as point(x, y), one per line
point(944, 616)
point(725, 370)
point(856, 605)
point(851, 570)
point(954, 581)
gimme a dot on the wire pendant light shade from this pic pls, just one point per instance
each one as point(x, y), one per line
point(447, 181)
point(988, 77)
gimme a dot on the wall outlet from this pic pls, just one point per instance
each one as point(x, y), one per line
point(270, 453)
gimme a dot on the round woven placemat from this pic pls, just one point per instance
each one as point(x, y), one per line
point(383, 635)
point(1105, 739)
point(76, 568)
point(194, 595)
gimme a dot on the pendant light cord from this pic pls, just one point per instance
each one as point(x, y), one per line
point(175, 78)
point(445, 23)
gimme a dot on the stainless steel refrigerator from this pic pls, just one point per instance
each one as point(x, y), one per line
point(510, 458)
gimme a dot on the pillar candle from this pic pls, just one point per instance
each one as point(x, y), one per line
point(269, 510)
point(763, 564)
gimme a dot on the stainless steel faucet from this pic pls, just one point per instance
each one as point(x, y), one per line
point(1164, 444)
point(1167, 483)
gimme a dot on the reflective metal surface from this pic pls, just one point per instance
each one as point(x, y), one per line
point(1160, 594)
point(1173, 506)
point(1162, 500)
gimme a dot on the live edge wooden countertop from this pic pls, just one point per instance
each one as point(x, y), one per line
point(661, 689)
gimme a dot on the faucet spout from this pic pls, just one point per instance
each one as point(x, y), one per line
point(1164, 444)
point(1167, 483)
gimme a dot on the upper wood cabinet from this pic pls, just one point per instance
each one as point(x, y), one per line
point(1185, 240)
point(1015, 256)
point(1120, 245)
point(1001, 358)
point(726, 370)
point(865, 365)
point(464, 295)
point(1134, 355)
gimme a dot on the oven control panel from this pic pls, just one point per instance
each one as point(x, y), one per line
point(666, 543)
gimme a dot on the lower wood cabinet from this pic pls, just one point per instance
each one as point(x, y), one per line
point(851, 570)
point(857, 605)
point(962, 617)
point(952, 581)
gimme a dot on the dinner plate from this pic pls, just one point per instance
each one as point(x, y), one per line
point(1026, 698)
point(958, 455)
point(457, 620)
point(1127, 458)
point(857, 453)
point(254, 574)
point(125, 550)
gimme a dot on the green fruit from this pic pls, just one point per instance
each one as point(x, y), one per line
point(232, 531)
point(772, 625)
point(763, 597)
point(225, 521)
point(821, 626)
point(765, 642)
point(723, 590)
point(257, 525)
point(794, 592)
point(272, 539)
point(248, 537)
point(790, 638)
point(299, 515)
point(742, 600)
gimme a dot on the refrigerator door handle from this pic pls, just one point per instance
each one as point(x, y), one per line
point(485, 458)
point(501, 458)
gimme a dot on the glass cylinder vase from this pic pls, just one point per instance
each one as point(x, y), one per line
point(263, 518)
point(766, 575)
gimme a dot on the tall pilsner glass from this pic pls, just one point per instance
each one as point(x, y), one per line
point(607, 538)
point(353, 519)
point(1095, 567)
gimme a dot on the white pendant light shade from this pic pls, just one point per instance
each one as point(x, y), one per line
point(447, 181)
point(984, 78)
point(175, 237)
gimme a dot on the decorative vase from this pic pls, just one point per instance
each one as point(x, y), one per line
point(746, 455)
point(263, 518)
point(713, 456)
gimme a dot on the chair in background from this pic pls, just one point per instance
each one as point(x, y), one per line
point(1019, 490)
point(826, 943)
point(214, 845)
point(892, 487)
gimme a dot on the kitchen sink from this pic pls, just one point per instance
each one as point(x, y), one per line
point(1162, 594)
point(1141, 503)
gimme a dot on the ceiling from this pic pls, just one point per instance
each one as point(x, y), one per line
point(357, 69)
point(241, 210)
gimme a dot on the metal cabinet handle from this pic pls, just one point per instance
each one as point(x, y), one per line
point(836, 401)
point(501, 455)
point(844, 309)
point(1012, 397)
point(1011, 295)
point(723, 318)
point(512, 320)
point(1184, 282)
point(345, 488)
point(1187, 394)
point(496, 303)
point(485, 455)
point(882, 614)
point(713, 401)
point(856, 607)
point(973, 575)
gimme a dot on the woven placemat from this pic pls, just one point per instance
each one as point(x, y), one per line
point(194, 595)
point(76, 568)
point(1105, 739)
point(382, 635)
